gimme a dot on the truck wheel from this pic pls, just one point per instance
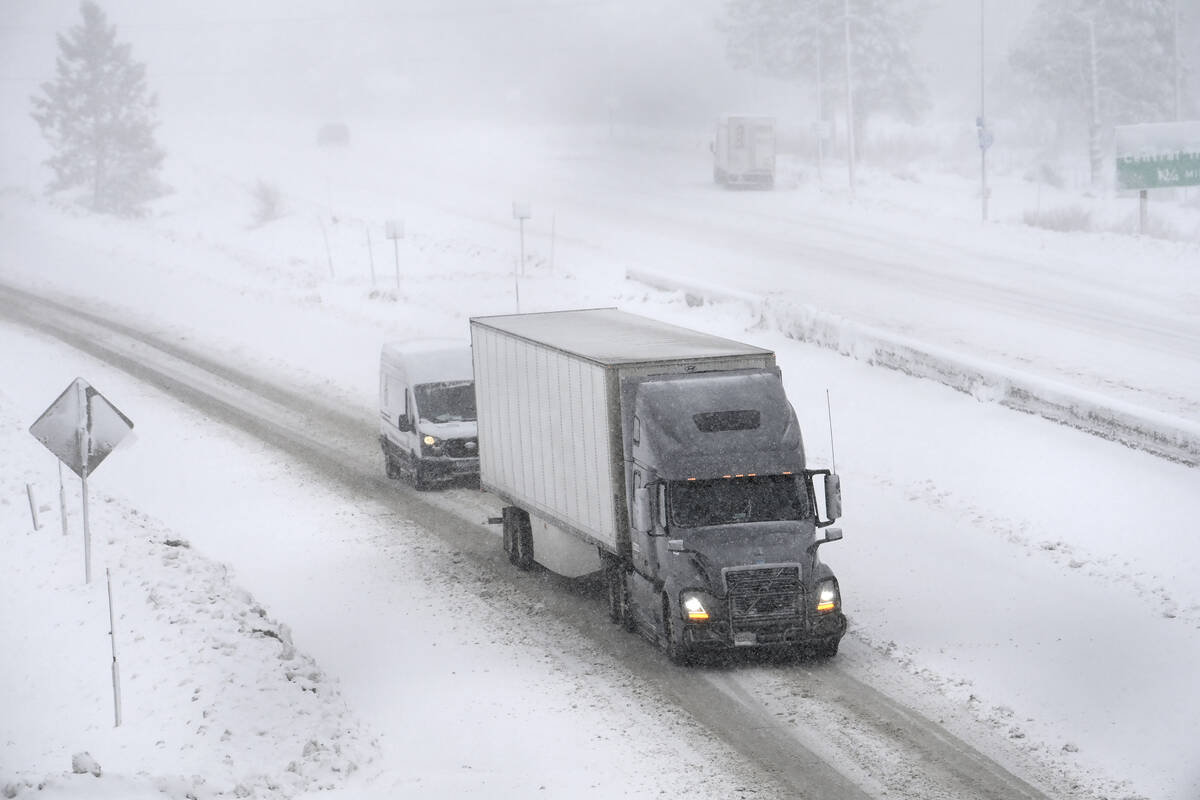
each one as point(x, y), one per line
point(827, 649)
point(677, 652)
point(389, 466)
point(618, 600)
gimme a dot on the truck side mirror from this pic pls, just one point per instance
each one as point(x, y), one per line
point(642, 518)
point(833, 496)
point(404, 423)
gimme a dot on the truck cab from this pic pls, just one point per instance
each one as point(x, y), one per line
point(725, 517)
point(427, 420)
point(744, 151)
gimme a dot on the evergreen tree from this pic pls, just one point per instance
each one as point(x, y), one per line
point(1099, 63)
point(796, 39)
point(99, 120)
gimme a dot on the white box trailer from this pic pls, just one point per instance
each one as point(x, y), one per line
point(583, 414)
point(549, 408)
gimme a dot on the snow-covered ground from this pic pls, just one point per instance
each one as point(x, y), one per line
point(1033, 586)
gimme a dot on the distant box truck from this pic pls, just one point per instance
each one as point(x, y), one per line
point(668, 461)
point(427, 411)
point(744, 151)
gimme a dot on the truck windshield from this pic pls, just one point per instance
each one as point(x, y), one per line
point(446, 402)
point(724, 501)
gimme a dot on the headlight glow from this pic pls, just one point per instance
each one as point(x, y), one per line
point(693, 608)
point(827, 597)
point(429, 440)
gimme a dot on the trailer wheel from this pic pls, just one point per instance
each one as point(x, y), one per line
point(518, 537)
point(509, 536)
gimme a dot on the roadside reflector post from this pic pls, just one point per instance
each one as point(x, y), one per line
point(116, 670)
point(521, 212)
point(394, 230)
point(32, 506)
point(62, 500)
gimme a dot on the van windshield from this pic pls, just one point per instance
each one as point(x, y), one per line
point(725, 501)
point(446, 402)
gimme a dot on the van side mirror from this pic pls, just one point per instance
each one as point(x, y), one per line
point(643, 520)
point(833, 496)
point(404, 423)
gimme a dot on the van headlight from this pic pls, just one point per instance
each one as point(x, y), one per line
point(431, 445)
point(828, 596)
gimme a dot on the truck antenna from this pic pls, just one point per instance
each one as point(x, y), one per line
point(829, 414)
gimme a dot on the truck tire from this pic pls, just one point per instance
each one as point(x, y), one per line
point(618, 597)
point(677, 652)
point(827, 649)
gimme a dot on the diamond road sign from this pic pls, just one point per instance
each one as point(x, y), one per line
point(1158, 155)
point(81, 427)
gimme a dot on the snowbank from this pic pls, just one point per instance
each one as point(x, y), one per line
point(1145, 429)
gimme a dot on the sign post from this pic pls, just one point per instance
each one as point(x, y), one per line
point(394, 230)
point(1157, 156)
point(521, 212)
point(81, 427)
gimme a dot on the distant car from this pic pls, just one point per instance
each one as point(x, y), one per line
point(334, 134)
point(427, 426)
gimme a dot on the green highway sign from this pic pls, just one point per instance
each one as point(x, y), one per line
point(1158, 155)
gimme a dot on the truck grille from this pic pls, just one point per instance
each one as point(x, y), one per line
point(461, 448)
point(763, 593)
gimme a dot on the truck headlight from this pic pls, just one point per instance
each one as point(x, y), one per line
point(695, 606)
point(828, 596)
point(429, 440)
point(431, 445)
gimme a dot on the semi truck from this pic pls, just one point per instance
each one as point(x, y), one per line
point(744, 151)
point(667, 462)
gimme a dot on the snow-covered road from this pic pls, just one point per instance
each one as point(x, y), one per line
point(1031, 588)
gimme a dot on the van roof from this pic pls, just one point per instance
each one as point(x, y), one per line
point(429, 360)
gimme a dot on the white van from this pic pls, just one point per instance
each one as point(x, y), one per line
point(744, 151)
point(427, 411)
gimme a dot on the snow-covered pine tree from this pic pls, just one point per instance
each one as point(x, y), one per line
point(99, 119)
point(785, 38)
point(1099, 63)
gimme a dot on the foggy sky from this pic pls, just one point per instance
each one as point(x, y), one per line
point(562, 59)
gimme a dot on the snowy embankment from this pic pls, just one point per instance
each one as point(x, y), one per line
point(1145, 429)
point(215, 699)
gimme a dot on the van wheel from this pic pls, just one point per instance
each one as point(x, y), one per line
point(389, 466)
point(420, 481)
